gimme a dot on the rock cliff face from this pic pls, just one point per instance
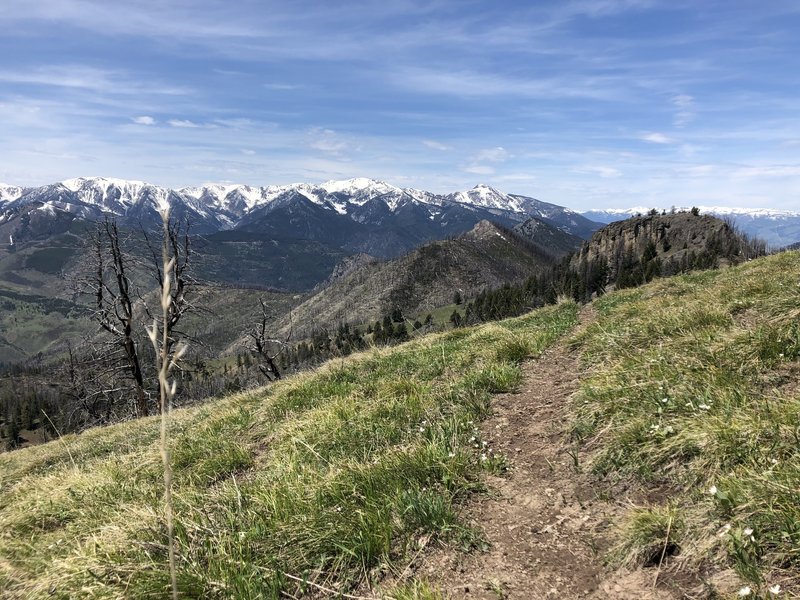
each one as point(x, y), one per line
point(667, 243)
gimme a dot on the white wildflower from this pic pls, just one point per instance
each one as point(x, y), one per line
point(745, 591)
point(775, 589)
point(712, 490)
point(665, 400)
point(703, 406)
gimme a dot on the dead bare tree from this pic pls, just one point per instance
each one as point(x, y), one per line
point(267, 349)
point(177, 243)
point(114, 303)
point(122, 310)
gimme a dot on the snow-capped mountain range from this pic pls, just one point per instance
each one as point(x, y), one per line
point(778, 228)
point(358, 214)
point(216, 207)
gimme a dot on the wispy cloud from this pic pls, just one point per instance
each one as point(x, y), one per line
point(792, 170)
point(497, 154)
point(656, 138)
point(479, 169)
point(436, 145)
point(479, 84)
point(603, 171)
point(685, 110)
point(327, 141)
point(144, 120)
point(84, 77)
point(183, 124)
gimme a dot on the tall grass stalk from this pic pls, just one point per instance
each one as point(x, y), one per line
point(165, 363)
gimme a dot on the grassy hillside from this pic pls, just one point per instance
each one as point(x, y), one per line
point(324, 476)
point(694, 392)
point(689, 398)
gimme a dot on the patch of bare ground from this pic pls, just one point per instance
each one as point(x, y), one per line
point(547, 523)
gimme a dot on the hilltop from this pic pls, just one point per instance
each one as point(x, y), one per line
point(777, 228)
point(637, 249)
point(677, 434)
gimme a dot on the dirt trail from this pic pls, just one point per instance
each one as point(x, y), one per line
point(546, 522)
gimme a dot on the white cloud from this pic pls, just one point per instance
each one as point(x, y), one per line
point(769, 171)
point(436, 145)
point(280, 86)
point(144, 120)
point(477, 84)
point(479, 169)
point(247, 152)
point(685, 113)
point(327, 140)
point(498, 154)
point(183, 123)
point(656, 138)
point(697, 170)
point(83, 77)
point(602, 171)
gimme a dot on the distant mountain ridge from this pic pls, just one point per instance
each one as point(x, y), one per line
point(776, 227)
point(216, 207)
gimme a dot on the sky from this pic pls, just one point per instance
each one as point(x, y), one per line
point(587, 103)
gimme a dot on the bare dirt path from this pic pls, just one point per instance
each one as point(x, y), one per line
point(547, 523)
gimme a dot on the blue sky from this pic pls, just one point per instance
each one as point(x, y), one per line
point(588, 104)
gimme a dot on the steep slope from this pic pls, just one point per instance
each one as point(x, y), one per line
point(487, 256)
point(544, 235)
point(637, 249)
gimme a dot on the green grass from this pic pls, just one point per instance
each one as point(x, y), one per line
point(694, 383)
point(325, 477)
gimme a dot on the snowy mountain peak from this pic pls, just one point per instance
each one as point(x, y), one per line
point(9, 193)
point(83, 183)
point(358, 184)
point(488, 197)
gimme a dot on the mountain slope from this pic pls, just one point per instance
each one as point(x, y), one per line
point(544, 235)
point(427, 277)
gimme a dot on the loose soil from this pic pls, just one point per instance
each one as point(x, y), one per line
point(548, 524)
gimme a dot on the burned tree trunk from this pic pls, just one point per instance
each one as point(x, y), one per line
point(267, 349)
point(114, 304)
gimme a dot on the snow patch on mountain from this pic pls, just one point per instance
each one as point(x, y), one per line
point(9, 193)
point(486, 196)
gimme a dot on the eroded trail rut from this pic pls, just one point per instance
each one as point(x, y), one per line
point(547, 523)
